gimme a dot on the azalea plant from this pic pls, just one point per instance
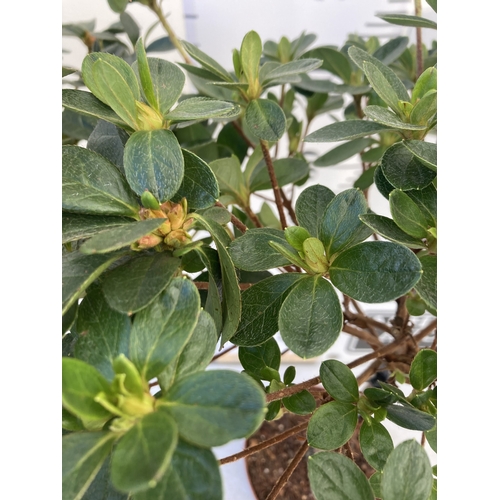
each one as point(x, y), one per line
point(167, 266)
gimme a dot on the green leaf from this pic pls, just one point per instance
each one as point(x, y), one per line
point(81, 383)
point(423, 369)
point(292, 68)
point(230, 178)
point(426, 152)
point(426, 81)
point(409, 417)
point(130, 27)
point(365, 180)
point(332, 425)
point(118, 5)
point(254, 359)
point(407, 20)
point(109, 141)
point(207, 62)
point(431, 437)
point(260, 307)
point(301, 403)
point(143, 454)
point(341, 227)
point(92, 184)
point(252, 252)
point(79, 271)
point(344, 131)
point(310, 207)
point(390, 230)
point(201, 108)
point(382, 86)
point(135, 284)
point(286, 170)
point(390, 51)
point(375, 271)
point(193, 475)
point(376, 483)
point(250, 53)
point(407, 214)
point(265, 119)
point(119, 237)
point(145, 75)
point(339, 381)
point(426, 199)
point(229, 137)
point(334, 62)
point(231, 299)
point(103, 333)
point(425, 109)
point(162, 329)
point(407, 473)
point(101, 487)
point(386, 117)
point(83, 454)
point(81, 226)
point(403, 170)
point(76, 125)
point(342, 152)
point(433, 4)
point(376, 444)
point(310, 318)
point(427, 286)
point(153, 161)
point(214, 407)
point(199, 185)
point(333, 475)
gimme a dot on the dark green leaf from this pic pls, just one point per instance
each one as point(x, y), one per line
point(103, 333)
point(81, 226)
point(386, 117)
point(92, 184)
point(301, 403)
point(265, 119)
point(76, 125)
point(153, 161)
point(69, 318)
point(143, 454)
point(375, 271)
point(161, 330)
point(383, 185)
point(426, 152)
point(390, 51)
point(213, 407)
point(163, 44)
point(310, 318)
point(207, 62)
point(407, 214)
point(289, 375)
point(431, 437)
point(333, 475)
point(332, 425)
point(292, 68)
point(83, 454)
point(101, 487)
point(376, 483)
point(407, 20)
point(342, 152)
point(427, 286)
point(423, 369)
point(410, 418)
point(433, 4)
point(407, 473)
point(201, 108)
point(365, 180)
point(341, 227)
point(286, 170)
point(254, 359)
point(376, 444)
point(426, 199)
point(260, 307)
point(135, 284)
point(380, 396)
point(109, 141)
point(344, 131)
point(310, 207)
point(339, 381)
point(230, 137)
point(334, 62)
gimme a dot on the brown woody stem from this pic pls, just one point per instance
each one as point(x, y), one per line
point(236, 222)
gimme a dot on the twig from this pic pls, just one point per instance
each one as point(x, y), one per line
point(248, 142)
point(253, 217)
point(420, 63)
point(288, 205)
point(236, 222)
point(218, 355)
point(363, 335)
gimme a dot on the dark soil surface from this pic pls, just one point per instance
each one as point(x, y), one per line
point(266, 466)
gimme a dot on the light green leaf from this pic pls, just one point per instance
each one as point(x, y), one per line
point(286, 170)
point(292, 68)
point(230, 178)
point(145, 75)
point(332, 425)
point(382, 86)
point(423, 369)
point(339, 381)
point(82, 226)
point(342, 152)
point(426, 152)
point(425, 109)
point(386, 117)
point(407, 473)
point(344, 131)
point(207, 62)
point(153, 161)
point(375, 271)
point(376, 444)
point(250, 53)
point(202, 108)
point(214, 407)
point(407, 20)
point(407, 214)
point(143, 454)
point(310, 318)
point(260, 307)
point(101, 487)
point(427, 286)
point(83, 454)
point(265, 119)
point(92, 184)
point(135, 284)
point(162, 329)
point(310, 207)
point(426, 81)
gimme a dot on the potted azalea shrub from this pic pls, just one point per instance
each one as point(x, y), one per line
point(168, 265)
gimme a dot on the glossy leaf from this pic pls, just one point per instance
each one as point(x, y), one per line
point(81, 226)
point(403, 170)
point(160, 331)
point(103, 333)
point(93, 185)
point(153, 161)
point(409, 417)
point(254, 359)
point(375, 271)
point(201, 108)
point(426, 152)
point(119, 237)
point(310, 318)
point(260, 307)
point(332, 425)
point(348, 130)
point(144, 453)
point(407, 20)
point(265, 119)
point(208, 417)
point(83, 454)
point(376, 444)
point(301, 403)
point(386, 117)
point(286, 170)
point(407, 214)
point(427, 286)
point(423, 369)
point(135, 284)
point(310, 207)
point(342, 152)
point(407, 473)
point(339, 381)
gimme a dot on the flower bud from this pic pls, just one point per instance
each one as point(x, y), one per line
point(133, 382)
point(177, 238)
point(148, 241)
point(315, 255)
point(147, 117)
point(149, 201)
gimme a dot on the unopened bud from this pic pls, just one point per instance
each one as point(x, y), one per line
point(315, 255)
point(176, 216)
point(149, 201)
point(148, 241)
point(296, 235)
point(147, 117)
point(177, 238)
point(132, 382)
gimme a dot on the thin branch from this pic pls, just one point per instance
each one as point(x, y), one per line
point(236, 222)
point(218, 355)
point(365, 335)
point(288, 472)
point(420, 63)
point(288, 205)
point(248, 142)
point(253, 217)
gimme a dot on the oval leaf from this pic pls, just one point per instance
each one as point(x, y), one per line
point(427, 286)
point(310, 207)
point(423, 369)
point(376, 444)
point(407, 214)
point(339, 381)
point(265, 119)
point(202, 108)
point(344, 131)
point(386, 117)
point(409, 417)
